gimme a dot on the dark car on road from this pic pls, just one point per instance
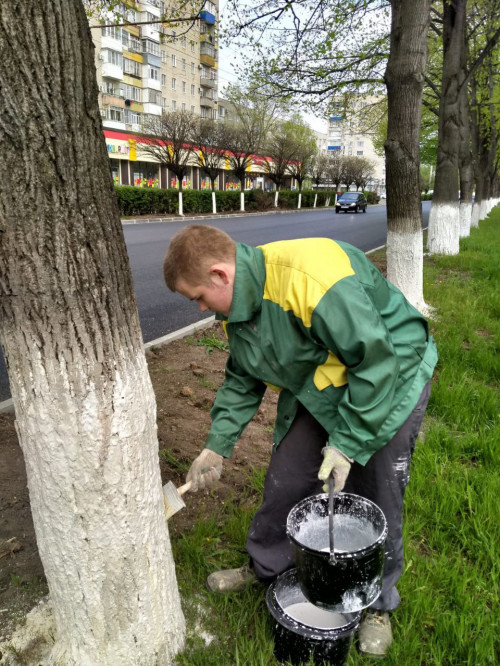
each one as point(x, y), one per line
point(351, 202)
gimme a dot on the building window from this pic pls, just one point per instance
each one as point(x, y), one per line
point(134, 44)
point(203, 112)
point(164, 102)
point(192, 89)
point(132, 117)
point(174, 105)
point(183, 41)
point(174, 60)
point(163, 79)
point(359, 152)
point(361, 144)
point(207, 49)
point(112, 31)
point(174, 82)
point(132, 92)
point(164, 56)
point(183, 106)
point(191, 44)
point(153, 73)
point(131, 67)
point(115, 113)
point(113, 57)
point(192, 68)
point(149, 46)
point(214, 114)
point(184, 86)
point(184, 64)
point(125, 36)
point(152, 96)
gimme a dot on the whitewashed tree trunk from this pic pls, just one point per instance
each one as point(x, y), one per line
point(85, 408)
point(443, 236)
point(315, 199)
point(276, 196)
point(405, 265)
point(242, 201)
point(181, 208)
point(214, 203)
point(465, 218)
point(476, 211)
point(299, 203)
point(404, 78)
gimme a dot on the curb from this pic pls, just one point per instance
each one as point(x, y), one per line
point(217, 216)
point(7, 406)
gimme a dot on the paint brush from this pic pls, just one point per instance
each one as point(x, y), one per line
point(172, 497)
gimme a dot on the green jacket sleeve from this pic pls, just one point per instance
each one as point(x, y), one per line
point(346, 322)
point(235, 405)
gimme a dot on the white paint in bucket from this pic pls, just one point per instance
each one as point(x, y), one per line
point(351, 533)
point(312, 616)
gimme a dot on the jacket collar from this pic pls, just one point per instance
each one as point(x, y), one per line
point(249, 278)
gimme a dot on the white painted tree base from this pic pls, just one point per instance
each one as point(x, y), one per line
point(474, 222)
point(299, 204)
point(315, 200)
point(91, 454)
point(405, 261)
point(181, 209)
point(276, 197)
point(444, 228)
point(214, 204)
point(242, 202)
point(465, 219)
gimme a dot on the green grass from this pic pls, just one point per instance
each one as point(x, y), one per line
point(449, 614)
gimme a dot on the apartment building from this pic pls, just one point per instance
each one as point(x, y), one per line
point(347, 134)
point(146, 67)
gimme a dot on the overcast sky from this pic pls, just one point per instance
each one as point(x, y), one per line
point(228, 54)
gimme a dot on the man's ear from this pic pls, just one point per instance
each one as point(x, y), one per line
point(220, 273)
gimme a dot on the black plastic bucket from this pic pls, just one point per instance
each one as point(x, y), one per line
point(296, 640)
point(354, 580)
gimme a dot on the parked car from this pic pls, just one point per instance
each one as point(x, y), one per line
point(351, 202)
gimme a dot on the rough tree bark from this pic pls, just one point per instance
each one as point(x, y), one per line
point(404, 78)
point(444, 219)
point(466, 175)
point(85, 408)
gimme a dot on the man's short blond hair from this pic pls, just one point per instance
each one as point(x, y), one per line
point(193, 251)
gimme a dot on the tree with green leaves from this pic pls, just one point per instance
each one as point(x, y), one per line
point(326, 49)
point(168, 140)
point(305, 151)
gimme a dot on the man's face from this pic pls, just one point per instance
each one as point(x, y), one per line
point(216, 297)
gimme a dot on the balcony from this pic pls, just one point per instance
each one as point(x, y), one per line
point(207, 102)
point(207, 17)
point(208, 82)
point(111, 71)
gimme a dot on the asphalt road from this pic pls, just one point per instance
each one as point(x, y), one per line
point(161, 312)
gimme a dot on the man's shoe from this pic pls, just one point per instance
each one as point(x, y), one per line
point(231, 580)
point(375, 634)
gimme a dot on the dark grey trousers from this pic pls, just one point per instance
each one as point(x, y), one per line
point(293, 474)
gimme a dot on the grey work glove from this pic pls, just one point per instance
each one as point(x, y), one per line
point(205, 470)
point(337, 464)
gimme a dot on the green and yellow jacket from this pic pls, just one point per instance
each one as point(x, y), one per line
point(314, 319)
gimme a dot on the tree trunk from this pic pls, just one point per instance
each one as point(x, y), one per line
point(404, 79)
point(85, 408)
point(465, 157)
point(444, 218)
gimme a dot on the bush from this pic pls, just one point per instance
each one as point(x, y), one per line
point(372, 197)
point(157, 201)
